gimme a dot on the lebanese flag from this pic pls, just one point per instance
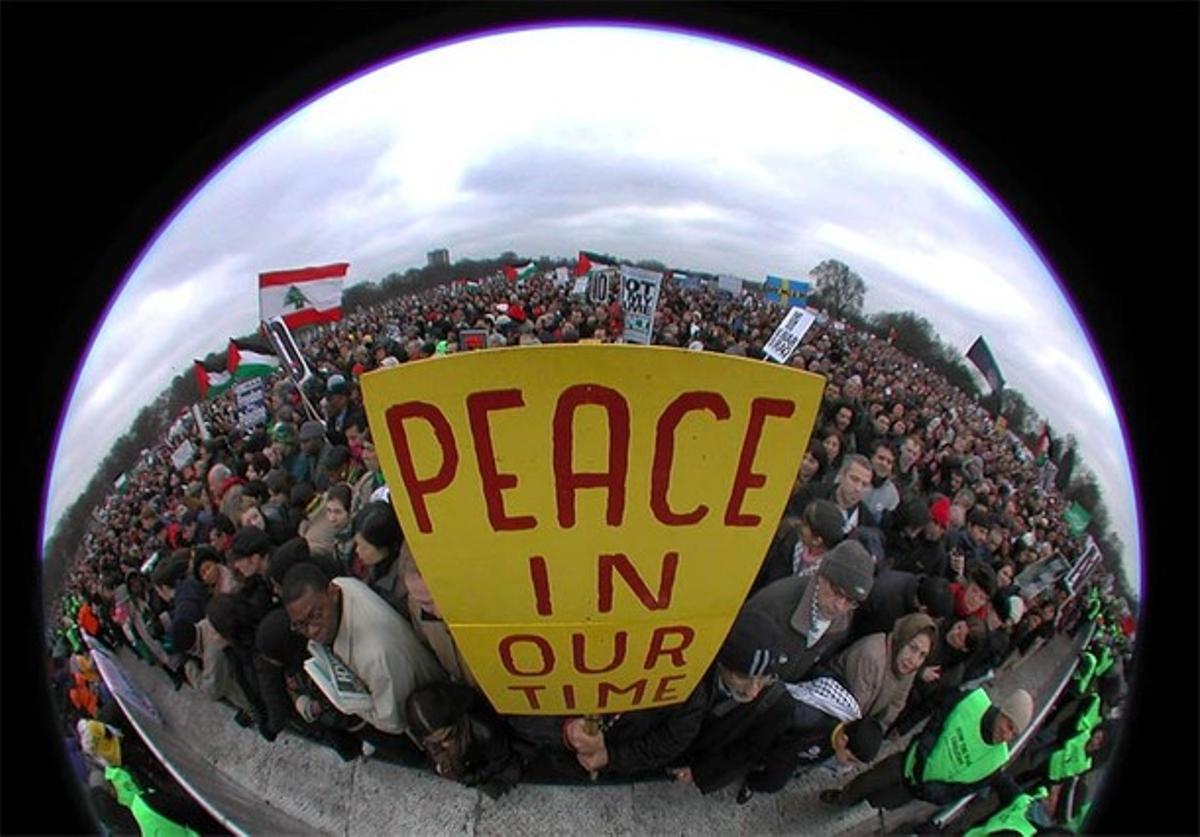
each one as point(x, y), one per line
point(304, 296)
point(212, 380)
point(250, 360)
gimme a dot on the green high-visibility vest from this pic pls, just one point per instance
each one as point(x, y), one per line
point(1071, 759)
point(150, 822)
point(1075, 823)
point(1089, 716)
point(961, 754)
point(1105, 661)
point(1085, 671)
point(1014, 817)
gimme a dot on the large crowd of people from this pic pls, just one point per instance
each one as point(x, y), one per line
point(888, 595)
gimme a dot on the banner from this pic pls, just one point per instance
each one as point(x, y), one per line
point(597, 286)
point(1077, 519)
point(285, 347)
point(786, 292)
point(183, 454)
point(789, 334)
point(729, 285)
point(304, 296)
point(980, 355)
point(470, 339)
point(590, 534)
point(251, 404)
point(639, 299)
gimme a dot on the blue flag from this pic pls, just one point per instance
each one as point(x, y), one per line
point(789, 293)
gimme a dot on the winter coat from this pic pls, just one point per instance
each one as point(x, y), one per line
point(788, 602)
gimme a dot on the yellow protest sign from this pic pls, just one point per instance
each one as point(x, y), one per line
point(589, 518)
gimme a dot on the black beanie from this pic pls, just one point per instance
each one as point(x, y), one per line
point(751, 648)
point(934, 593)
point(865, 738)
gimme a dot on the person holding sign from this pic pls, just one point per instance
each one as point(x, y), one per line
point(365, 634)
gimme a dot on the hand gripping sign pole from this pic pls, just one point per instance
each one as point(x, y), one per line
point(618, 518)
point(285, 346)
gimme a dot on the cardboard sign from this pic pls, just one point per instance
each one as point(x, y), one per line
point(183, 454)
point(639, 299)
point(251, 403)
point(590, 518)
point(789, 334)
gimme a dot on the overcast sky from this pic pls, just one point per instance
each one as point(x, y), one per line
point(689, 151)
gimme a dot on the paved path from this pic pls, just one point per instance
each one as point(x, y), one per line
point(295, 786)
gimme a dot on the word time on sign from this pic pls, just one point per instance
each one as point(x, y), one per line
point(589, 518)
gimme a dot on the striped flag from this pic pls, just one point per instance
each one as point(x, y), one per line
point(212, 379)
point(248, 359)
point(304, 296)
point(514, 272)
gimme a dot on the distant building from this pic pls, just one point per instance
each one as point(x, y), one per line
point(438, 258)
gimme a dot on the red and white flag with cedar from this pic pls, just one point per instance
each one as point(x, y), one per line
point(303, 296)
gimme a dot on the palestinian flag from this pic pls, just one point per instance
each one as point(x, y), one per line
point(304, 296)
point(212, 380)
point(248, 359)
point(587, 264)
point(514, 272)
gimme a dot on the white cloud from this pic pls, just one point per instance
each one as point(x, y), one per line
point(650, 144)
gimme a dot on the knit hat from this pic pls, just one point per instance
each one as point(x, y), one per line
point(311, 430)
point(824, 518)
point(249, 540)
point(1018, 708)
point(865, 736)
point(939, 512)
point(850, 568)
point(983, 575)
point(751, 648)
point(934, 593)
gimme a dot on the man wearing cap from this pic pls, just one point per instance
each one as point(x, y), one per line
point(248, 557)
point(312, 450)
point(927, 555)
point(964, 745)
point(748, 709)
point(812, 613)
point(338, 409)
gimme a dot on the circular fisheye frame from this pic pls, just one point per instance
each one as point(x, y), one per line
point(594, 446)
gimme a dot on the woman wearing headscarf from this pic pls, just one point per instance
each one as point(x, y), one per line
point(879, 668)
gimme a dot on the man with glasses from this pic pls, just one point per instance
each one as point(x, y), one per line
point(372, 640)
point(813, 613)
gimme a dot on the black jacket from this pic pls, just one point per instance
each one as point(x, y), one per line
point(735, 737)
point(891, 597)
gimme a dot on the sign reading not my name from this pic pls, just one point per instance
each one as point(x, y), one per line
point(589, 517)
point(639, 299)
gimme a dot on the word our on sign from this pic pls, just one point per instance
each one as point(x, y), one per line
point(589, 517)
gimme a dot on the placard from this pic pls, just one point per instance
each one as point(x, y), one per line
point(589, 518)
point(639, 299)
point(251, 403)
point(183, 454)
point(788, 335)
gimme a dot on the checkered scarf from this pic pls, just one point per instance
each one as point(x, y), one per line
point(827, 695)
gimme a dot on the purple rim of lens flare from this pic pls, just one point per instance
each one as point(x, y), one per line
point(613, 24)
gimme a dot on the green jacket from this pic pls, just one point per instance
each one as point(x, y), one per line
point(151, 823)
point(1013, 817)
point(1085, 672)
point(960, 754)
point(1089, 714)
point(1071, 759)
